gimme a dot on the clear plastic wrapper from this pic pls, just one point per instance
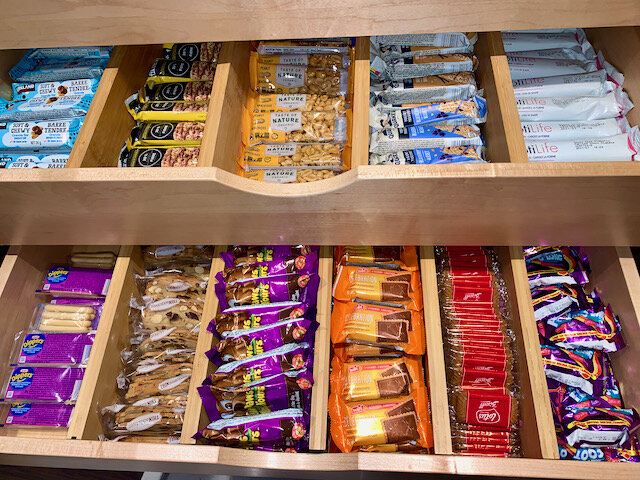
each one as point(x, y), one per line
point(29, 414)
point(294, 155)
point(104, 260)
point(151, 416)
point(297, 127)
point(335, 61)
point(434, 88)
point(397, 139)
point(302, 47)
point(156, 256)
point(169, 312)
point(67, 318)
point(48, 384)
point(596, 83)
point(159, 156)
point(269, 78)
point(33, 160)
point(426, 156)
point(177, 92)
point(191, 52)
point(33, 70)
point(436, 40)
point(151, 381)
point(425, 65)
point(182, 134)
point(50, 100)
point(457, 112)
point(57, 134)
point(76, 282)
point(36, 348)
point(574, 130)
point(616, 148)
point(290, 174)
point(172, 283)
point(287, 102)
point(613, 104)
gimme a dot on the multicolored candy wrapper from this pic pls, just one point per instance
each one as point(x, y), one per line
point(284, 428)
point(73, 281)
point(594, 330)
point(43, 383)
point(254, 316)
point(599, 427)
point(581, 368)
point(241, 344)
point(302, 264)
point(278, 288)
point(629, 454)
point(552, 300)
point(553, 265)
point(277, 392)
point(292, 356)
point(37, 414)
point(55, 348)
point(567, 452)
point(241, 254)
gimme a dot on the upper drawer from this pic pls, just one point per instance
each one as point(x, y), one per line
point(450, 204)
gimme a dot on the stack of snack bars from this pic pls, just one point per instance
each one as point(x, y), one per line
point(425, 105)
point(478, 340)
point(259, 396)
point(49, 358)
point(296, 127)
point(379, 400)
point(570, 100)
point(53, 90)
point(165, 320)
point(171, 108)
point(577, 332)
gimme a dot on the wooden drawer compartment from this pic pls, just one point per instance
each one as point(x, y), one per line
point(614, 275)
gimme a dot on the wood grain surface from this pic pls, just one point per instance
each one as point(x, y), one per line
point(49, 23)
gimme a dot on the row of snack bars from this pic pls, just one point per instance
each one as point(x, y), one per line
point(259, 394)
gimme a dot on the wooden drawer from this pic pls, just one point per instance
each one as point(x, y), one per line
point(420, 201)
point(614, 275)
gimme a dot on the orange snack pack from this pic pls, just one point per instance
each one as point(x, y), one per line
point(398, 257)
point(347, 351)
point(374, 379)
point(378, 285)
point(388, 327)
point(396, 420)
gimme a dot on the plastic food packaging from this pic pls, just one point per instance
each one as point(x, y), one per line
point(519, 41)
point(54, 384)
point(302, 47)
point(33, 160)
point(242, 254)
point(611, 105)
point(177, 92)
point(298, 127)
point(255, 316)
point(527, 67)
point(172, 283)
point(50, 100)
point(57, 134)
point(35, 348)
point(168, 255)
point(334, 61)
point(72, 281)
point(396, 139)
point(184, 134)
point(294, 155)
point(159, 156)
point(617, 148)
point(391, 257)
point(33, 70)
point(574, 130)
point(166, 111)
point(104, 260)
point(426, 156)
point(432, 40)
point(301, 265)
point(191, 52)
point(25, 414)
point(288, 102)
point(290, 174)
point(171, 71)
point(434, 88)
point(269, 78)
point(425, 65)
point(596, 83)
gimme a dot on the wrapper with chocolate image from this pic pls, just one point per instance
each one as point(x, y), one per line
point(391, 257)
point(301, 265)
point(265, 290)
point(241, 344)
point(278, 392)
point(241, 254)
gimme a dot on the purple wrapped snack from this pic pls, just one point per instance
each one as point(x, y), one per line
point(551, 300)
point(278, 392)
point(44, 383)
point(554, 265)
point(253, 316)
point(594, 330)
point(580, 368)
point(37, 414)
point(302, 264)
point(241, 254)
point(629, 454)
point(599, 427)
point(55, 348)
point(260, 291)
point(576, 400)
point(284, 428)
point(241, 344)
point(73, 281)
point(292, 356)
point(567, 452)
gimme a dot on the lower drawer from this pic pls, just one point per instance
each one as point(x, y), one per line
point(614, 275)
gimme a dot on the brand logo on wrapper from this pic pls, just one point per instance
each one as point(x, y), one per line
point(19, 409)
point(57, 275)
point(21, 378)
point(178, 68)
point(172, 91)
point(33, 344)
point(161, 131)
point(189, 52)
point(487, 412)
point(150, 158)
